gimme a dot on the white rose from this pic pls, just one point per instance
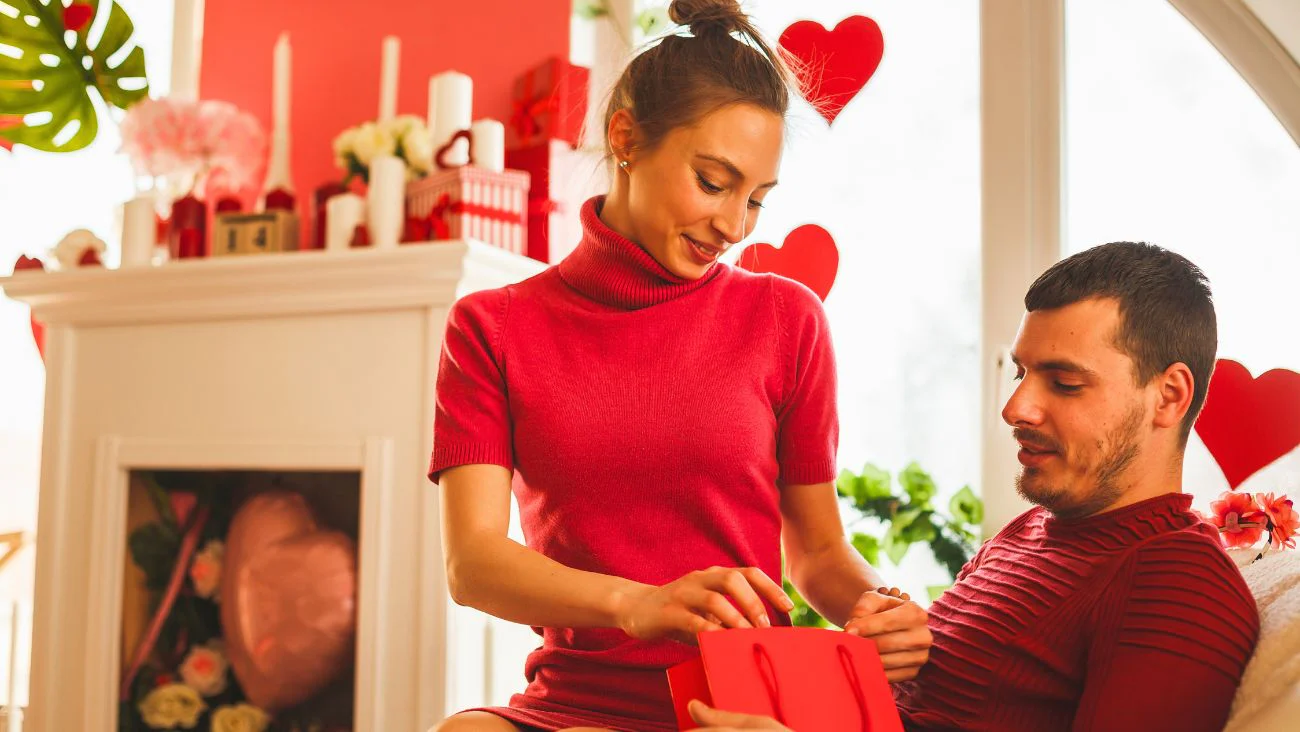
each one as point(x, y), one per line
point(205, 570)
point(239, 718)
point(343, 145)
point(417, 146)
point(172, 706)
point(204, 669)
point(69, 249)
point(372, 140)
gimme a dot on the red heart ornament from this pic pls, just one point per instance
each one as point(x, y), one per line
point(288, 601)
point(1248, 423)
point(38, 330)
point(808, 255)
point(835, 64)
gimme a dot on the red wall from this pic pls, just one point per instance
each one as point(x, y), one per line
point(336, 56)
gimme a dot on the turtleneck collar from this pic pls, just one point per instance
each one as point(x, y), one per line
point(613, 270)
point(1138, 516)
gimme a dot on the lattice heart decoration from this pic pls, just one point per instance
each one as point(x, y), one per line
point(808, 255)
point(834, 65)
point(1249, 423)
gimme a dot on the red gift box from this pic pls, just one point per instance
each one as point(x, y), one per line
point(549, 101)
point(805, 678)
point(562, 180)
point(472, 203)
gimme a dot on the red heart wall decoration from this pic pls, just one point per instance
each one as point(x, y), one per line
point(1249, 423)
point(809, 255)
point(835, 64)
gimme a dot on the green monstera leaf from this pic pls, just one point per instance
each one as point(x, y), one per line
point(47, 69)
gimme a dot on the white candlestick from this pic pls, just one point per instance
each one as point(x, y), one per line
point(139, 231)
point(489, 145)
point(278, 175)
point(343, 214)
point(187, 42)
point(453, 99)
point(388, 79)
point(386, 201)
point(281, 83)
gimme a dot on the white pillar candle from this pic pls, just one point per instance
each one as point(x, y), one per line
point(139, 231)
point(453, 99)
point(386, 201)
point(388, 79)
point(187, 43)
point(489, 146)
point(343, 214)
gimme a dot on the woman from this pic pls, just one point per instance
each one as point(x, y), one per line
point(672, 419)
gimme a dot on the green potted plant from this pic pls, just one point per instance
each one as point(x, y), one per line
point(908, 515)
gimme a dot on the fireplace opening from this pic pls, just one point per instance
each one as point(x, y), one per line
point(239, 600)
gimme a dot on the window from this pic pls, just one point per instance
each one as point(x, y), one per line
point(896, 181)
point(1166, 143)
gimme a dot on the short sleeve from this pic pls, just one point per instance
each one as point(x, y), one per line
point(472, 417)
point(807, 418)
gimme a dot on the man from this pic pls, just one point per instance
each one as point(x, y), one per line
point(1108, 606)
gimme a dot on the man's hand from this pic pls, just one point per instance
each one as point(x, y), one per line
point(716, 720)
point(898, 626)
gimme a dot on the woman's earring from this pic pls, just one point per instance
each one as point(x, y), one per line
point(622, 165)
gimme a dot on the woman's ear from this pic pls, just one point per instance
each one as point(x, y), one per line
point(622, 134)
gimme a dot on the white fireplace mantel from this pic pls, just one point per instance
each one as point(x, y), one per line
point(296, 361)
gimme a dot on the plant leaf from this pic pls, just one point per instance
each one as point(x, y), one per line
point(876, 482)
point(154, 550)
point(895, 543)
point(967, 507)
point(918, 485)
point(868, 546)
point(30, 85)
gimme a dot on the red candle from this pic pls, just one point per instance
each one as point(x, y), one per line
point(320, 223)
point(188, 213)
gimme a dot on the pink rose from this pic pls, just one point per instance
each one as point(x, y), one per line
point(204, 670)
point(205, 570)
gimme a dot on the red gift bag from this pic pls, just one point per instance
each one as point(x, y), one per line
point(809, 679)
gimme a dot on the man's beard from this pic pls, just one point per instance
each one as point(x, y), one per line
point(1123, 441)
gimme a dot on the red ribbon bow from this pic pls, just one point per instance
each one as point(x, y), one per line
point(528, 113)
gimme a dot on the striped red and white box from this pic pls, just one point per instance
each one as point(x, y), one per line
point(473, 203)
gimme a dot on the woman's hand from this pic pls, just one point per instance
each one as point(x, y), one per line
point(702, 601)
point(898, 626)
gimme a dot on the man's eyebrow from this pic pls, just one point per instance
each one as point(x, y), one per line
point(1056, 364)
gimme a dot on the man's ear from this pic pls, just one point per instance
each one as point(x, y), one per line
point(1174, 390)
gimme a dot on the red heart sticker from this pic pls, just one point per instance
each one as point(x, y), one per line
point(809, 255)
point(1249, 423)
point(835, 64)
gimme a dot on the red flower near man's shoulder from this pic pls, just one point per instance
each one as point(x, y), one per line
point(1281, 513)
point(1238, 518)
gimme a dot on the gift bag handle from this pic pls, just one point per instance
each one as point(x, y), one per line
point(767, 671)
point(855, 683)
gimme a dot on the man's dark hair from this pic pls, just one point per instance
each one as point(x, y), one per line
point(1165, 306)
